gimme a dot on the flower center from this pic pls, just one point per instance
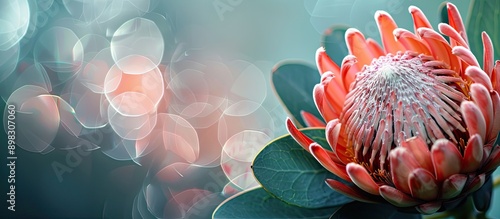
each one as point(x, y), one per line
point(397, 97)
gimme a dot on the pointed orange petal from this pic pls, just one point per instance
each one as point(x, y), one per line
point(482, 99)
point(311, 120)
point(402, 164)
point(349, 70)
point(448, 30)
point(325, 63)
point(466, 55)
point(453, 186)
point(350, 191)
point(411, 42)
point(396, 197)
point(488, 55)
point(299, 137)
point(479, 76)
point(455, 20)
point(439, 48)
point(335, 93)
point(473, 119)
point(419, 19)
point(423, 185)
point(419, 149)
point(322, 104)
point(374, 48)
point(386, 26)
point(446, 159)
point(362, 178)
point(356, 43)
point(473, 154)
point(324, 159)
point(332, 131)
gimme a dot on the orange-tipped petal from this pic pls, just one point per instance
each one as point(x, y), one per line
point(374, 48)
point(311, 120)
point(362, 178)
point(488, 55)
point(350, 191)
point(455, 20)
point(473, 154)
point(446, 159)
point(326, 161)
point(335, 93)
point(325, 63)
point(356, 43)
point(419, 149)
point(411, 42)
point(402, 164)
point(479, 76)
point(396, 197)
point(482, 99)
point(429, 208)
point(348, 74)
point(322, 104)
point(473, 119)
point(386, 26)
point(423, 185)
point(466, 55)
point(448, 30)
point(332, 131)
point(453, 186)
point(419, 19)
point(439, 48)
point(299, 137)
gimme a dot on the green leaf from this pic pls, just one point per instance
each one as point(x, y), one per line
point(334, 42)
point(372, 211)
point(293, 175)
point(293, 84)
point(484, 16)
point(258, 203)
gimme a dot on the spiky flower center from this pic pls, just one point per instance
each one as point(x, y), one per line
point(397, 97)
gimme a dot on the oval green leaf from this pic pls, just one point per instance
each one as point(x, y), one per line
point(258, 203)
point(293, 175)
point(484, 16)
point(293, 84)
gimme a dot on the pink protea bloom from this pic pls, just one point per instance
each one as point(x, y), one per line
point(413, 123)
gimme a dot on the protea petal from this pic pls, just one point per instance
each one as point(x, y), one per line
point(356, 44)
point(482, 99)
point(448, 30)
point(411, 42)
point(311, 120)
point(429, 207)
point(325, 63)
point(495, 100)
point(473, 119)
point(455, 21)
point(299, 137)
point(446, 159)
point(466, 55)
point(419, 149)
point(332, 131)
point(479, 76)
point(402, 164)
point(494, 159)
point(423, 185)
point(350, 191)
point(322, 104)
point(475, 184)
point(473, 154)
point(374, 48)
point(439, 47)
point(362, 178)
point(324, 159)
point(348, 75)
point(453, 186)
point(386, 26)
point(488, 55)
point(396, 197)
point(419, 19)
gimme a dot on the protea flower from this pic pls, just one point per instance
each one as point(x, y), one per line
point(413, 123)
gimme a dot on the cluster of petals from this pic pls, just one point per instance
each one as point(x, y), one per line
point(426, 143)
